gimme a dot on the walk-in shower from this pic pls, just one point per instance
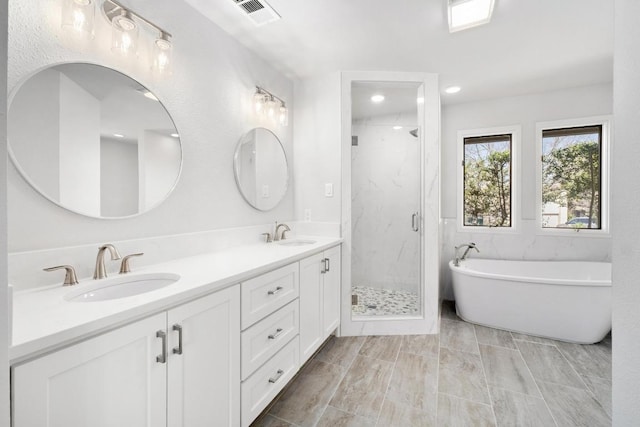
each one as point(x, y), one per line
point(385, 201)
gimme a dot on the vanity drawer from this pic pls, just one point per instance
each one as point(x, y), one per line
point(265, 294)
point(261, 387)
point(265, 338)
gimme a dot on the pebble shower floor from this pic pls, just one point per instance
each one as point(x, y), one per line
point(384, 302)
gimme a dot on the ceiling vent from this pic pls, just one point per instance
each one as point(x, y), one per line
point(258, 11)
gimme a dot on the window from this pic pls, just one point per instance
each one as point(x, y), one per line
point(487, 180)
point(572, 175)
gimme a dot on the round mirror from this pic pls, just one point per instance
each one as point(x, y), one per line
point(93, 141)
point(260, 166)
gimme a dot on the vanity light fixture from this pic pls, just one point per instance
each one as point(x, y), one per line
point(377, 98)
point(78, 16)
point(125, 26)
point(274, 107)
point(452, 89)
point(465, 14)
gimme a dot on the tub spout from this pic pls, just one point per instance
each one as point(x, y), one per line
point(469, 246)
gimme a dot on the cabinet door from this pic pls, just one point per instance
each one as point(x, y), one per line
point(112, 380)
point(204, 373)
point(331, 292)
point(310, 305)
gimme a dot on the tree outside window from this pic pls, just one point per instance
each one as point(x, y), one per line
point(571, 177)
point(487, 181)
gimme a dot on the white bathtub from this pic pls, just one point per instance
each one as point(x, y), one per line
point(568, 301)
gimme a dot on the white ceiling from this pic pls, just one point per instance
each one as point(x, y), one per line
point(529, 45)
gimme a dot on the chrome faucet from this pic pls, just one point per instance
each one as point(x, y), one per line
point(469, 246)
point(276, 235)
point(101, 272)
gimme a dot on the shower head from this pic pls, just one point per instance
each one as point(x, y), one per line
point(414, 132)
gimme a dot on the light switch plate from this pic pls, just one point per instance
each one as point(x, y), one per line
point(328, 189)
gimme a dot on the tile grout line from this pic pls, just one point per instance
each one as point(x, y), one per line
point(535, 381)
point(486, 380)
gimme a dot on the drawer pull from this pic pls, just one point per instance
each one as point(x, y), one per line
point(275, 291)
point(277, 334)
point(273, 380)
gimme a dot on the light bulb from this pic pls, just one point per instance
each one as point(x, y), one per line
point(271, 108)
point(259, 100)
point(162, 49)
point(124, 34)
point(78, 16)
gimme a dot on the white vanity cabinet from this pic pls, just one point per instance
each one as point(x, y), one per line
point(176, 368)
point(319, 299)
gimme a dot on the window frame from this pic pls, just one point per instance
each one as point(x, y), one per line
point(516, 136)
point(605, 145)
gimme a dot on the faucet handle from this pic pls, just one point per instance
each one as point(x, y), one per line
point(70, 277)
point(268, 237)
point(124, 265)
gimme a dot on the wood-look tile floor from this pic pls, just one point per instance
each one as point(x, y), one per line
point(468, 375)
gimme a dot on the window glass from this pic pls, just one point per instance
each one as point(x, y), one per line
point(571, 177)
point(487, 181)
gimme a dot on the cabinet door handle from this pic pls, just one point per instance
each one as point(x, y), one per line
point(277, 334)
point(178, 349)
point(275, 291)
point(163, 357)
point(327, 265)
point(323, 266)
point(280, 373)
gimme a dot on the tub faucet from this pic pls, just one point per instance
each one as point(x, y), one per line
point(101, 272)
point(276, 235)
point(469, 246)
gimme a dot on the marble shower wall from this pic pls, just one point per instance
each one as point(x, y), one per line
point(385, 192)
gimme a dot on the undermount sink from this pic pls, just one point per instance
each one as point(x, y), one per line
point(296, 242)
point(120, 287)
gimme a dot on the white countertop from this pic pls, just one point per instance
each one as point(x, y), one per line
point(43, 320)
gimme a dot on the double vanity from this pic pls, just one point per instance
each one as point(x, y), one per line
point(209, 337)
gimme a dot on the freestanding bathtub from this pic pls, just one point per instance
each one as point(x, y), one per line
point(568, 301)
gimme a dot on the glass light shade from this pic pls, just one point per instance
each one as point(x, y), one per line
point(78, 16)
point(162, 49)
point(272, 106)
point(124, 35)
point(283, 117)
point(259, 100)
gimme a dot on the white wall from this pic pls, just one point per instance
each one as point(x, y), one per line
point(317, 148)
point(625, 213)
point(118, 177)
point(4, 317)
point(209, 97)
point(37, 147)
point(159, 163)
point(79, 145)
point(524, 111)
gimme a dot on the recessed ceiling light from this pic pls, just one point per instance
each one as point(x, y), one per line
point(377, 98)
point(118, 135)
point(397, 127)
point(420, 100)
point(465, 14)
point(175, 135)
point(452, 89)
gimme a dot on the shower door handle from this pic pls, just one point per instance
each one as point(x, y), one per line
point(415, 221)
